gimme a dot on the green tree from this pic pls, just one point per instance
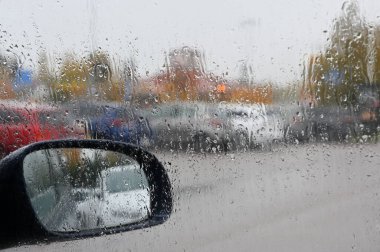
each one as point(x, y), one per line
point(8, 68)
point(100, 74)
point(377, 55)
point(332, 76)
point(72, 82)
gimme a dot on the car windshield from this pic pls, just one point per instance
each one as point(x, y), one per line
point(265, 114)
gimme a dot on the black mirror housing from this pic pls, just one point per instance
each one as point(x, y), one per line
point(20, 223)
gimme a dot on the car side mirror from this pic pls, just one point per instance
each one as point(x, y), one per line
point(69, 189)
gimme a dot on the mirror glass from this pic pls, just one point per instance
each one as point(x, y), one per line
point(76, 189)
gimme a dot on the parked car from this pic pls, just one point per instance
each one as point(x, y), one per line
point(122, 197)
point(298, 126)
point(327, 123)
point(252, 125)
point(113, 122)
point(188, 126)
point(337, 123)
point(22, 124)
point(369, 109)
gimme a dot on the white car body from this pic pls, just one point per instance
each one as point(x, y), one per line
point(255, 121)
point(114, 208)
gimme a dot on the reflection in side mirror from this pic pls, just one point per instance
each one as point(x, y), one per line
point(75, 189)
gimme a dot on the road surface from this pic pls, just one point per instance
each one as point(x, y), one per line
point(314, 197)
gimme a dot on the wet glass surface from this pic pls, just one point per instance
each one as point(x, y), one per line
point(266, 114)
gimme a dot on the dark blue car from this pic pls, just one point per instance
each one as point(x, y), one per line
point(116, 123)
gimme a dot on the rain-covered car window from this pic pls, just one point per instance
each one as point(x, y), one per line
point(266, 114)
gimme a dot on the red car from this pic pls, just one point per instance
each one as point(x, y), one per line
point(22, 124)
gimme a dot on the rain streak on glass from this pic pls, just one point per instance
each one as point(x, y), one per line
point(265, 114)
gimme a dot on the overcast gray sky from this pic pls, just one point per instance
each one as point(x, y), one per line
point(274, 36)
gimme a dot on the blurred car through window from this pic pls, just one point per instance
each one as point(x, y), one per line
point(266, 114)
